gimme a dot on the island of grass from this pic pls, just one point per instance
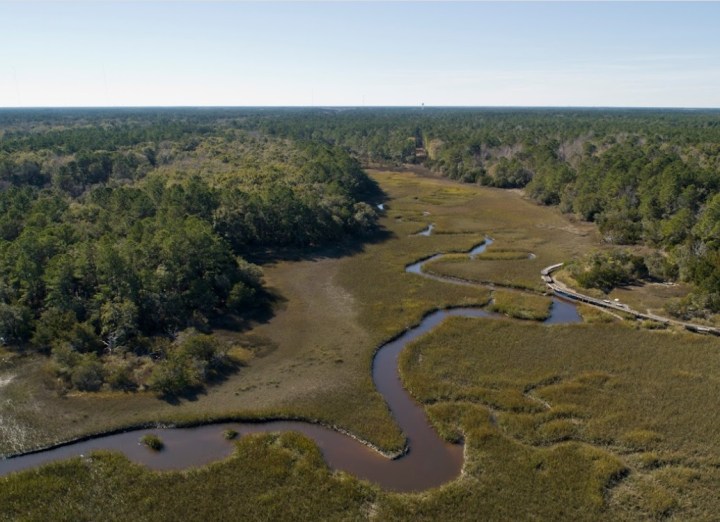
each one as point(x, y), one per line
point(521, 305)
point(152, 441)
point(230, 434)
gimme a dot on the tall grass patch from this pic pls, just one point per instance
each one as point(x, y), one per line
point(612, 390)
point(521, 306)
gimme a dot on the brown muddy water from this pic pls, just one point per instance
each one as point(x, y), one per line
point(428, 462)
point(417, 267)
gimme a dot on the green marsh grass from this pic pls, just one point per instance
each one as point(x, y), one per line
point(620, 392)
point(521, 306)
point(269, 477)
point(584, 422)
point(312, 359)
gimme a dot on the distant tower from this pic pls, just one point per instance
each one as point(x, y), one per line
point(422, 106)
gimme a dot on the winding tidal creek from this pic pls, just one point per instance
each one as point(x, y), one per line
point(428, 462)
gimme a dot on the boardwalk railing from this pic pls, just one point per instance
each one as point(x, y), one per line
point(567, 293)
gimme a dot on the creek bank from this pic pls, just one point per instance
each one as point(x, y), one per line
point(426, 462)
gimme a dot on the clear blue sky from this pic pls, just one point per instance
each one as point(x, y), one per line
point(372, 53)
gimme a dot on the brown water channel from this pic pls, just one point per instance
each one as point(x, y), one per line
point(428, 462)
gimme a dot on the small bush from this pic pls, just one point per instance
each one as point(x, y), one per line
point(88, 375)
point(240, 355)
point(653, 325)
point(120, 377)
point(230, 434)
point(153, 442)
point(609, 269)
point(170, 377)
point(189, 363)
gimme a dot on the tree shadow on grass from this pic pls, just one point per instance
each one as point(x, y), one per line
point(270, 299)
point(371, 194)
point(176, 399)
point(334, 250)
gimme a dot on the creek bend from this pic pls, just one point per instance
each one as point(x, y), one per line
point(428, 462)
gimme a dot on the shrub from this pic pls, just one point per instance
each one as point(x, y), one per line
point(189, 363)
point(607, 270)
point(230, 434)
point(240, 296)
point(201, 347)
point(64, 359)
point(120, 377)
point(88, 375)
point(239, 355)
point(170, 377)
point(153, 442)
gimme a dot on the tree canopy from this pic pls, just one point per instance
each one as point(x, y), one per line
point(116, 234)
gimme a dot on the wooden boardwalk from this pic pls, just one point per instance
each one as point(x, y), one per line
point(561, 290)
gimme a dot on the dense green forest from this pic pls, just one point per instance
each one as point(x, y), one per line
point(125, 232)
point(121, 240)
point(648, 177)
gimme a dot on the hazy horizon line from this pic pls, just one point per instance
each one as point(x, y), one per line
point(419, 107)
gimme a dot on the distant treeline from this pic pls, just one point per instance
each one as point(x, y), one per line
point(645, 176)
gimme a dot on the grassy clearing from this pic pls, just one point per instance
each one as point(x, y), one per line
point(521, 306)
point(639, 400)
point(651, 297)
